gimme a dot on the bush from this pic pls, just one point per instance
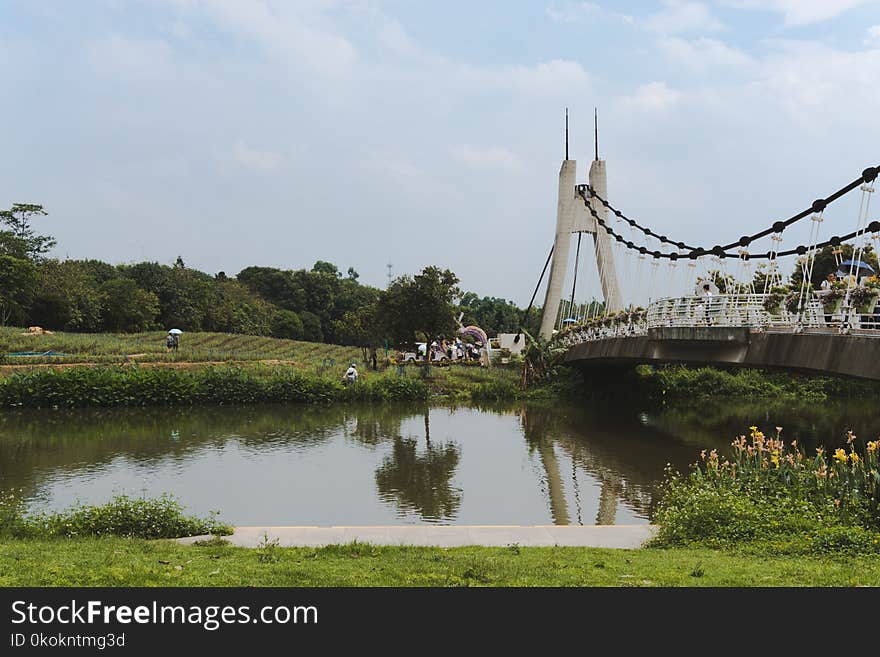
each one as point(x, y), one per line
point(499, 390)
point(12, 515)
point(773, 493)
point(123, 516)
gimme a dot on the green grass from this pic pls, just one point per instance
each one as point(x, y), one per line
point(136, 562)
point(245, 383)
point(682, 384)
point(194, 347)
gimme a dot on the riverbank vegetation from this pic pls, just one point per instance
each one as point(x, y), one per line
point(769, 496)
point(683, 384)
point(123, 516)
point(243, 383)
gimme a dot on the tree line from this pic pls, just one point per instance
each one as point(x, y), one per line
point(320, 304)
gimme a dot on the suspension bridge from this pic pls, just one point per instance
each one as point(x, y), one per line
point(726, 315)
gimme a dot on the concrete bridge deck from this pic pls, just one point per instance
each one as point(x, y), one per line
point(811, 351)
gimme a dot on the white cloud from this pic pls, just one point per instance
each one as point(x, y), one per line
point(493, 158)
point(556, 78)
point(254, 159)
point(704, 55)
point(393, 167)
point(873, 36)
point(126, 57)
point(180, 30)
point(573, 12)
point(801, 12)
point(652, 97)
point(286, 30)
point(682, 16)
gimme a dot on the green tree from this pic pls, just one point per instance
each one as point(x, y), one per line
point(321, 267)
point(424, 303)
point(825, 263)
point(287, 324)
point(19, 218)
point(541, 359)
point(361, 328)
point(311, 327)
point(492, 314)
point(17, 282)
point(276, 286)
point(68, 295)
point(128, 308)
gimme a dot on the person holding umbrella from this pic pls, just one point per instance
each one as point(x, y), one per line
point(172, 340)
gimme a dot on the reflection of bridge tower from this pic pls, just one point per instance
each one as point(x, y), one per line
point(555, 489)
point(572, 217)
point(608, 496)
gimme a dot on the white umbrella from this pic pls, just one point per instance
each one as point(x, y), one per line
point(175, 331)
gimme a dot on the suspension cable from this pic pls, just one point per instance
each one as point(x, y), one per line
point(868, 176)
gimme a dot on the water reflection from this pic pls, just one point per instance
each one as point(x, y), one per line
point(533, 464)
point(420, 481)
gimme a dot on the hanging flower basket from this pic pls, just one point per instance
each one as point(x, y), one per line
point(831, 304)
point(792, 302)
point(864, 299)
point(773, 302)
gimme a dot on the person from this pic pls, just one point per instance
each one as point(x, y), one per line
point(169, 342)
point(375, 360)
point(825, 288)
point(706, 295)
point(176, 341)
point(351, 375)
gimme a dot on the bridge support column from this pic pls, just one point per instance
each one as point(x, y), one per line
point(572, 217)
point(565, 212)
point(602, 241)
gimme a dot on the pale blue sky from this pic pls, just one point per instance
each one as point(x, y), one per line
point(279, 133)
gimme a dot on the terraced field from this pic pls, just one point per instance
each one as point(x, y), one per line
point(150, 347)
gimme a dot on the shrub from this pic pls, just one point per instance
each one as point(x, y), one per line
point(124, 516)
point(12, 514)
point(769, 491)
point(498, 390)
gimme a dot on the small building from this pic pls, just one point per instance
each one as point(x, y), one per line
point(506, 341)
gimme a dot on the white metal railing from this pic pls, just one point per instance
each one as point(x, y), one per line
point(754, 311)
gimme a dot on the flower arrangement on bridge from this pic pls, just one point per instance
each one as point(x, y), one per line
point(864, 297)
point(792, 301)
point(774, 300)
point(833, 296)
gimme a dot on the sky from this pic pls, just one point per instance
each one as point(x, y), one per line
point(368, 132)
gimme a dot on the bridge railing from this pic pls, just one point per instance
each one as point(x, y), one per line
point(755, 311)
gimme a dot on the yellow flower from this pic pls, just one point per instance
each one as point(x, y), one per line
point(840, 455)
point(872, 446)
point(854, 457)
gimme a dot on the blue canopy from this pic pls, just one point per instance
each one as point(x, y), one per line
point(858, 264)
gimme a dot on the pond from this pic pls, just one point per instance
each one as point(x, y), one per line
point(565, 463)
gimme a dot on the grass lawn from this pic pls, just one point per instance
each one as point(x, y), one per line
point(135, 562)
point(150, 347)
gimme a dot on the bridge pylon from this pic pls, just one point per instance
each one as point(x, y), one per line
point(572, 217)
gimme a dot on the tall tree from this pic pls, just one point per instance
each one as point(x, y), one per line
point(18, 219)
point(17, 281)
point(424, 303)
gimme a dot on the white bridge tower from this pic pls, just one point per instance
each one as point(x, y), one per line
point(572, 216)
